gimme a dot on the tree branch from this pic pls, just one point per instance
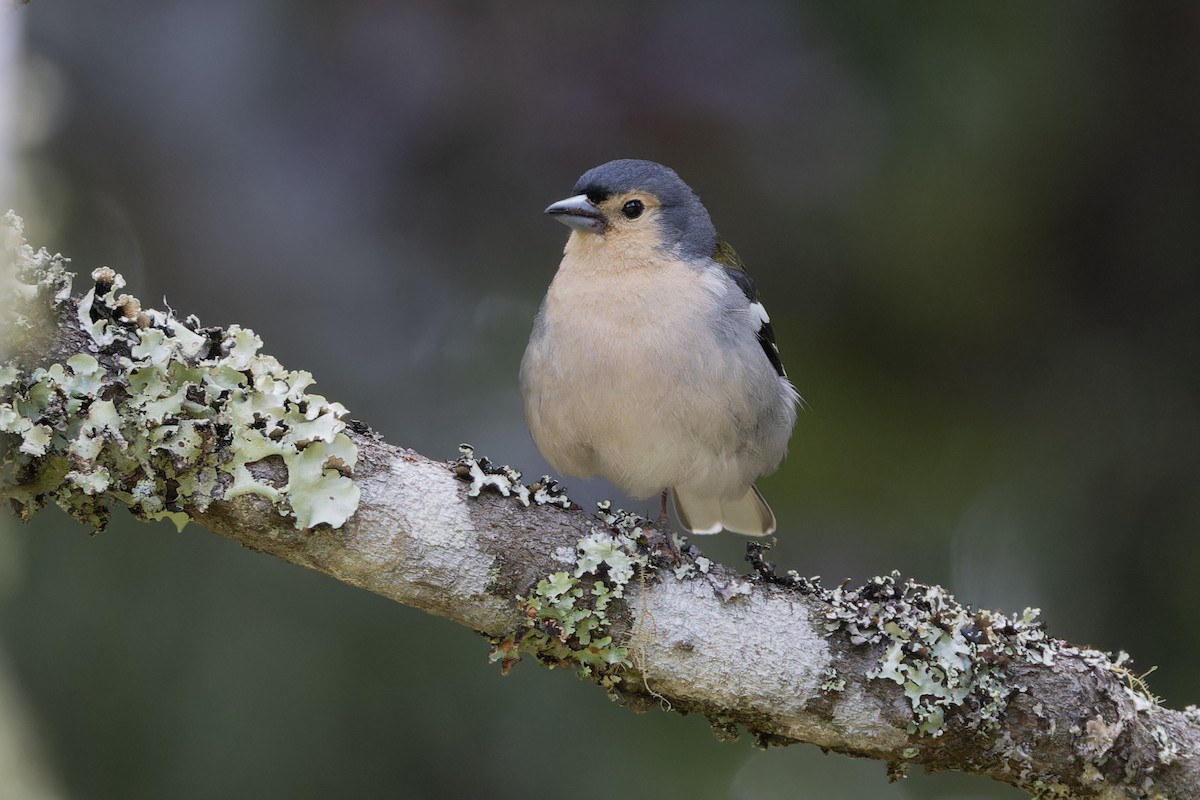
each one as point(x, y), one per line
point(103, 402)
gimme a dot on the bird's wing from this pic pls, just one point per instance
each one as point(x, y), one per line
point(728, 258)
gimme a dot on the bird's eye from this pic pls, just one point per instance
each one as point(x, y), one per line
point(632, 209)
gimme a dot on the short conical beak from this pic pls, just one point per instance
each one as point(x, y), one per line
point(578, 213)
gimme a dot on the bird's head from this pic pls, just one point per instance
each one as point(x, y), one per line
point(635, 204)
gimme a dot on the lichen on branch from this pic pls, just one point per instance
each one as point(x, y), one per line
point(161, 414)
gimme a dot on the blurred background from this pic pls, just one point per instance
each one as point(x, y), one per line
point(976, 227)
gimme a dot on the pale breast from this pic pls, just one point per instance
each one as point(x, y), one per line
point(621, 386)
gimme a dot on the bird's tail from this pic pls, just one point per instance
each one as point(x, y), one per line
point(749, 514)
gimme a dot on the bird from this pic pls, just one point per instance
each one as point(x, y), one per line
point(652, 362)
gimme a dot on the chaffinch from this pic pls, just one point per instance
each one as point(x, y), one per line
point(652, 362)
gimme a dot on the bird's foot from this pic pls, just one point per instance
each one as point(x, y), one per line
point(666, 538)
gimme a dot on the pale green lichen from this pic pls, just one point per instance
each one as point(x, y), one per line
point(566, 614)
point(943, 655)
point(1050, 790)
point(600, 550)
point(1168, 750)
point(830, 682)
point(31, 282)
point(684, 570)
point(163, 414)
point(952, 662)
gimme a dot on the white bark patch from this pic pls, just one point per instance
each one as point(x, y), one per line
point(443, 546)
point(756, 653)
point(413, 540)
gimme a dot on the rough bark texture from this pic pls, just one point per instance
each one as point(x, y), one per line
point(890, 670)
point(1074, 728)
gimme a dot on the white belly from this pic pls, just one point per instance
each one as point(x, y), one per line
point(634, 386)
